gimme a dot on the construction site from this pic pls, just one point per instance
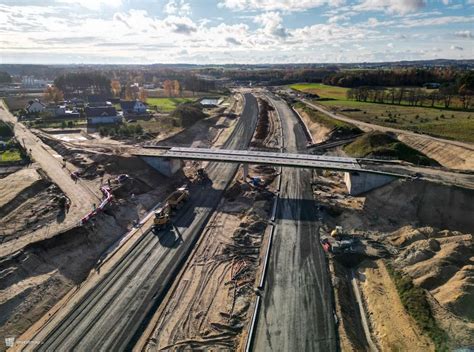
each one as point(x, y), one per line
point(101, 249)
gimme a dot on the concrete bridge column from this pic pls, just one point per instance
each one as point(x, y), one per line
point(245, 171)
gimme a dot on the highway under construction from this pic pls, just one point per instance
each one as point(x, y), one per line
point(203, 270)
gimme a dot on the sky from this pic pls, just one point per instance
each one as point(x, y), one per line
point(234, 31)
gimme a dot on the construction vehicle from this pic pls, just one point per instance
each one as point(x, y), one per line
point(200, 176)
point(337, 233)
point(174, 201)
point(177, 198)
point(162, 217)
point(257, 182)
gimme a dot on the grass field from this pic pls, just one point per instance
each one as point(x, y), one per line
point(324, 91)
point(166, 104)
point(10, 156)
point(456, 125)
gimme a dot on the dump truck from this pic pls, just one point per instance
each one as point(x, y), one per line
point(174, 201)
point(177, 198)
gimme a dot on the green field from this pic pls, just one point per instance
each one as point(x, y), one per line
point(166, 104)
point(10, 156)
point(324, 91)
point(451, 124)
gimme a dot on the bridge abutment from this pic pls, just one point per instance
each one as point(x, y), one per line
point(361, 182)
point(165, 166)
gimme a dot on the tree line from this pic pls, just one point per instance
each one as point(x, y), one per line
point(393, 77)
point(83, 83)
point(413, 96)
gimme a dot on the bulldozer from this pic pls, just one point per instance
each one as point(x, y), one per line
point(174, 201)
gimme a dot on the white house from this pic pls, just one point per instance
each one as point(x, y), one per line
point(135, 107)
point(35, 106)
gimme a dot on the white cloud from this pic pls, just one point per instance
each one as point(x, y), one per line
point(464, 34)
point(93, 4)
point(391, 6)
point(277, 5)
point(339, 18)
point(177, 7)
point(271, 23)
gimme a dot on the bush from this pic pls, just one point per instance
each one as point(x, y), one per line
point(414, 300)
point(188, 114)
point(123, 131)
point(6, 130)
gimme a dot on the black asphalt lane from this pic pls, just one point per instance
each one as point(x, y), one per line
point(113, 314)
point(297, 309)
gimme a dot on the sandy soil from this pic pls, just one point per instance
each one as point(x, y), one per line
point(319, 132)
point(393, 328)
point(12, 185)
point(448, 155)
point(442, 263)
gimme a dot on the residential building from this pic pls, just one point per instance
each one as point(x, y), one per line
point(35, 106)
point(102, 114)
point(134, 107)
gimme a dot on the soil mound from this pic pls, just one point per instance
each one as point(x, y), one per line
point(441, 262)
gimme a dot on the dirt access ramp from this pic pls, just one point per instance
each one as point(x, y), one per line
point(449, 155)
point(15, 184)
point(29, 202)
point(393, 328)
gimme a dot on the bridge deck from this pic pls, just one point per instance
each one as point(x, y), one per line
point(258, 157)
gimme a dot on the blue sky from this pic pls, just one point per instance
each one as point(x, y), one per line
point(234, 31)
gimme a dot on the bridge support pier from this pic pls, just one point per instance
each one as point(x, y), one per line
point(361, 182)
point(167, 167)
point(245, 171)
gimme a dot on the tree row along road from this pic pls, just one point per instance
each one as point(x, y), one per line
point(81, 197)
point(112, 314)
point(296, 313)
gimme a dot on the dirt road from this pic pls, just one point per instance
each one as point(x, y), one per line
point(112, 314)
point(451, 154)
point(50, 162)
point(296, 314)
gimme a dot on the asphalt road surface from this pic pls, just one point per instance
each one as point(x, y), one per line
point(111, 316)
point(297, 310)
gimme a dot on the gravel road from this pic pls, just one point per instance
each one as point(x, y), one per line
point(296, 313)
point(112, 315)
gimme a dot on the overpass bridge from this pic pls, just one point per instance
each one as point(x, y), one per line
point(263, 157)
point(358, 177)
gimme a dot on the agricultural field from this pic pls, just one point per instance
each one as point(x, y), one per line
point(450, 124)
point(324, 91)
point(166, 104)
